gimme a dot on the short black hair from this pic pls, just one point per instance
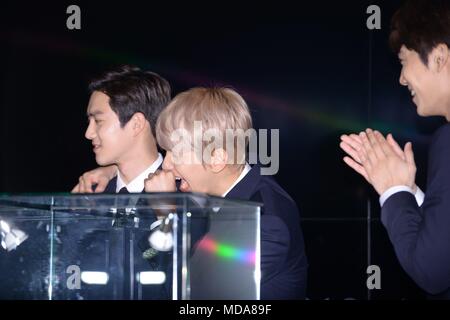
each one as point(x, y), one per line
point(131, 90)
point(421, 25)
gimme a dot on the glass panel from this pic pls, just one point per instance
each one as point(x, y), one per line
point(141, 246)
point(25, 253)
point(227, 255)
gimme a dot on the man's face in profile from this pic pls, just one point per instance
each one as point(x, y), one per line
point(422, 81)
point(110, 141)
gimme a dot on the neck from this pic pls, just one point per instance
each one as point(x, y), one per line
point(447, 111)
point(225, 180)
point(447, 92)
point(137, 161)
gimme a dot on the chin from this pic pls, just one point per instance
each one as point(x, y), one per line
point(426, 112)
point(102, 162)
point(420, 113)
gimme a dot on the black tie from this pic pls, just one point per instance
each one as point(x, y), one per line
point(123, 190)
point(120, 219)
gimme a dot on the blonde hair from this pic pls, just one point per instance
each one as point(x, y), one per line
point(218, 109)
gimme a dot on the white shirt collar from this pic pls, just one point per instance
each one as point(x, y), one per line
point(137, 184)
point(244, 172)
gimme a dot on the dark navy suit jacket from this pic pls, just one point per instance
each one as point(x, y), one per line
point(283, 259)
point(421, 235)
point(112, 185)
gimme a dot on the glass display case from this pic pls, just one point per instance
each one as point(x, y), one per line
point(133, 246)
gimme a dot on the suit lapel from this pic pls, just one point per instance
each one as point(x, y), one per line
point(245, 189)
point(111, 187)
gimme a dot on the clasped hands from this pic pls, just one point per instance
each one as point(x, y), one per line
point(381, 161)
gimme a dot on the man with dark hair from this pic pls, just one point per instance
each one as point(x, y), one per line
point(418, 225)
point(122, 113)
point(420, 26)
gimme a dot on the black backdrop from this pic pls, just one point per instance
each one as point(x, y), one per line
point(312, 70)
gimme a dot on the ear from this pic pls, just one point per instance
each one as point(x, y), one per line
point(219, 159)
point(138, 123)
point(439, 57)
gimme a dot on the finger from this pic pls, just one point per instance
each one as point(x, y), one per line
point(152, 177)
point(350, 151)
point(101, 185)
point(356, 166)
point(147, 185)
point(352, 141)
point(152, 174)
point(409, 154)
point(395, 146)
point(375, 144)
point(366, 154)
point(169, 174)
point(81, 184)
point(86, 186)
point(357, 138)
point(384, 145)
point(365, 162)
point(90, 178)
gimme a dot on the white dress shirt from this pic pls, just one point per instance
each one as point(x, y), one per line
point(244, 172)
point(420, 196)
point(137, 184)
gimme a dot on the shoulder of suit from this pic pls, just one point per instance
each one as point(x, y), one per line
point(273, 196)
point(443, 133)
point(441, 139)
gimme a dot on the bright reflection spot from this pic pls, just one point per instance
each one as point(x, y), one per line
point(151, 277)
point(5, 227)
point(94, 277)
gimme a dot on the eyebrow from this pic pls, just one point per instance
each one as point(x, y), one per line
point(94, 113)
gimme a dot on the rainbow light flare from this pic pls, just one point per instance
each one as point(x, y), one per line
point(227, 252)
point(313, 113)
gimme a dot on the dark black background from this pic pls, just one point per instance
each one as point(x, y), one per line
point(311, 69)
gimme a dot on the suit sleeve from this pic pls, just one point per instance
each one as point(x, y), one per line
point(421, 235)
point(274, 245)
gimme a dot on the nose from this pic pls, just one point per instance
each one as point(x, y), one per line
point(90, 131)
point(168, 162)
point(402, 79)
